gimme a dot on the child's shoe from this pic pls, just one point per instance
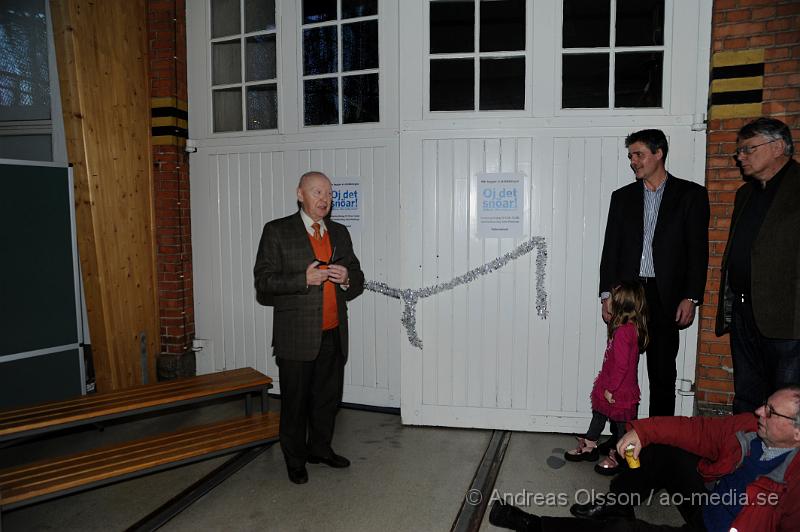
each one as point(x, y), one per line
point(586, 451)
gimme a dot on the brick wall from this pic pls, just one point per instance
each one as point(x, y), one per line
point(167, 33)
point(755, 72)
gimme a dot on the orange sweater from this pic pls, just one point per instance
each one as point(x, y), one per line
point(330, 313)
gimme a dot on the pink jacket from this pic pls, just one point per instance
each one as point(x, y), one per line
point(619, 376)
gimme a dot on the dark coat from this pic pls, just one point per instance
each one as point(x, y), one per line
point(774, 262)
point(284, 253)
point(680, 241)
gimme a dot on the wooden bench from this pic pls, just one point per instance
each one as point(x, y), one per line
point(45, 479)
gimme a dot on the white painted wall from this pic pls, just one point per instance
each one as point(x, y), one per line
point(489, 360)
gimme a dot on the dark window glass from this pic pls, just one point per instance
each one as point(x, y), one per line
point(360, 98)
point(227, 110)
point(640, 22)
point(260, 60)
point(502, 25)
point(226, 62)
point(452, 27)
point(452, 85)
point(224, 18)
point(360, 45)
point(321, 101)
point(638, 79)
point(584, 81)
point(502, 83)
point(318, 11)
point(359, 8)
point(262, 107)
point(259, 15)
point(320, 52)
point(586, 23)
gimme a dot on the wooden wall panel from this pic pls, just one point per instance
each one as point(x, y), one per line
point(101, 49)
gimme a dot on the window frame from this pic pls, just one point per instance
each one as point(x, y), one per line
point(476, 55)
point(243, 84)
point(339, 74)
point(612, 50)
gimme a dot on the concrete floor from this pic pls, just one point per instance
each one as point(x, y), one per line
point(401, 479)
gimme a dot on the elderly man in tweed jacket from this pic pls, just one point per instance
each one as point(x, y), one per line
point(307, 270)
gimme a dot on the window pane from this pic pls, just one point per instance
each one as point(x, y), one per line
point(640, 22)
point(586, 23)
point(228, 110)
point(320, 53)
point(502, 83)
point(637, 80)
point(360, 45)
point(24, 75)
point(452, 85)
point(318, 11)
point(584, 81)
point(502, 25)
point(259, 15)
point(260, 57)
point(262, 107)
point(452, 27)
point(224, 18)
point(360, 98)
point(226, 64)
point(321, 101)
point(359, 8)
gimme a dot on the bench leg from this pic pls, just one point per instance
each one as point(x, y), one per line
point(264, 401)
point(248, 405)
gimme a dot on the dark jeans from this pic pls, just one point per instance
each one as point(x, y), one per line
point(598, 423)
point(662, 351)
point(662, 467)
point(761, 365)
point(310, 396)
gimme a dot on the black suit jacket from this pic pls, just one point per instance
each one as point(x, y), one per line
point(774, 262)
point(284, 253)
point(680, 240)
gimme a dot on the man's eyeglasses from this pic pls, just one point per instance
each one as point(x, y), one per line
point(747, 150)
point(769, 412)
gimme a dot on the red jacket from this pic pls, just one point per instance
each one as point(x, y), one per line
point(619, 376)
point(721, 443)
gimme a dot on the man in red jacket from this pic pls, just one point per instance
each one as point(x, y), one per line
point(728, 473)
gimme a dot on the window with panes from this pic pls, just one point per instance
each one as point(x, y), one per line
point(340, 69)
point(612, 54)
point(244, 73)
point(476, 55)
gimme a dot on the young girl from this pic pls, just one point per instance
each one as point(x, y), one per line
point(615, 395)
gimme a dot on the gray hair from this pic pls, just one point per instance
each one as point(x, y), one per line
point(304, 177)
point(770, 128)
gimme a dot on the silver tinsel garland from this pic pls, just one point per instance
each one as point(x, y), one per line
point(410, 297)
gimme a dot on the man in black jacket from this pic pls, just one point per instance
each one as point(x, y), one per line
point(759, 296)
point(657, 233)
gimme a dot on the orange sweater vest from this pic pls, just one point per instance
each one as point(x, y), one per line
point(330, 313)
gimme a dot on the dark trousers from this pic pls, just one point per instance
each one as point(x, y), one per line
point(598, 423)
point(761, 365)
point(310, 396)
point(662, 467)
point(662, 351)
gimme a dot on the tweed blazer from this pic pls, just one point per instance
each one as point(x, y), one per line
point(680, 241)
point(774, 262)
point(284, 253)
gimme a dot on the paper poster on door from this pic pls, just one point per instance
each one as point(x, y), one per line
point(500, 205)
point(346, 208)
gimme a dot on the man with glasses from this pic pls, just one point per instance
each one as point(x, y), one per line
point(759, 300)
point(738, 472)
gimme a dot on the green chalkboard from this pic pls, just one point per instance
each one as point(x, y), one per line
point(37, 272)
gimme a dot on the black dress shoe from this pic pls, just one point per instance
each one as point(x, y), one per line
point(508, 516)
point(602, 512)
point(334, 460)
point(298, 475)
